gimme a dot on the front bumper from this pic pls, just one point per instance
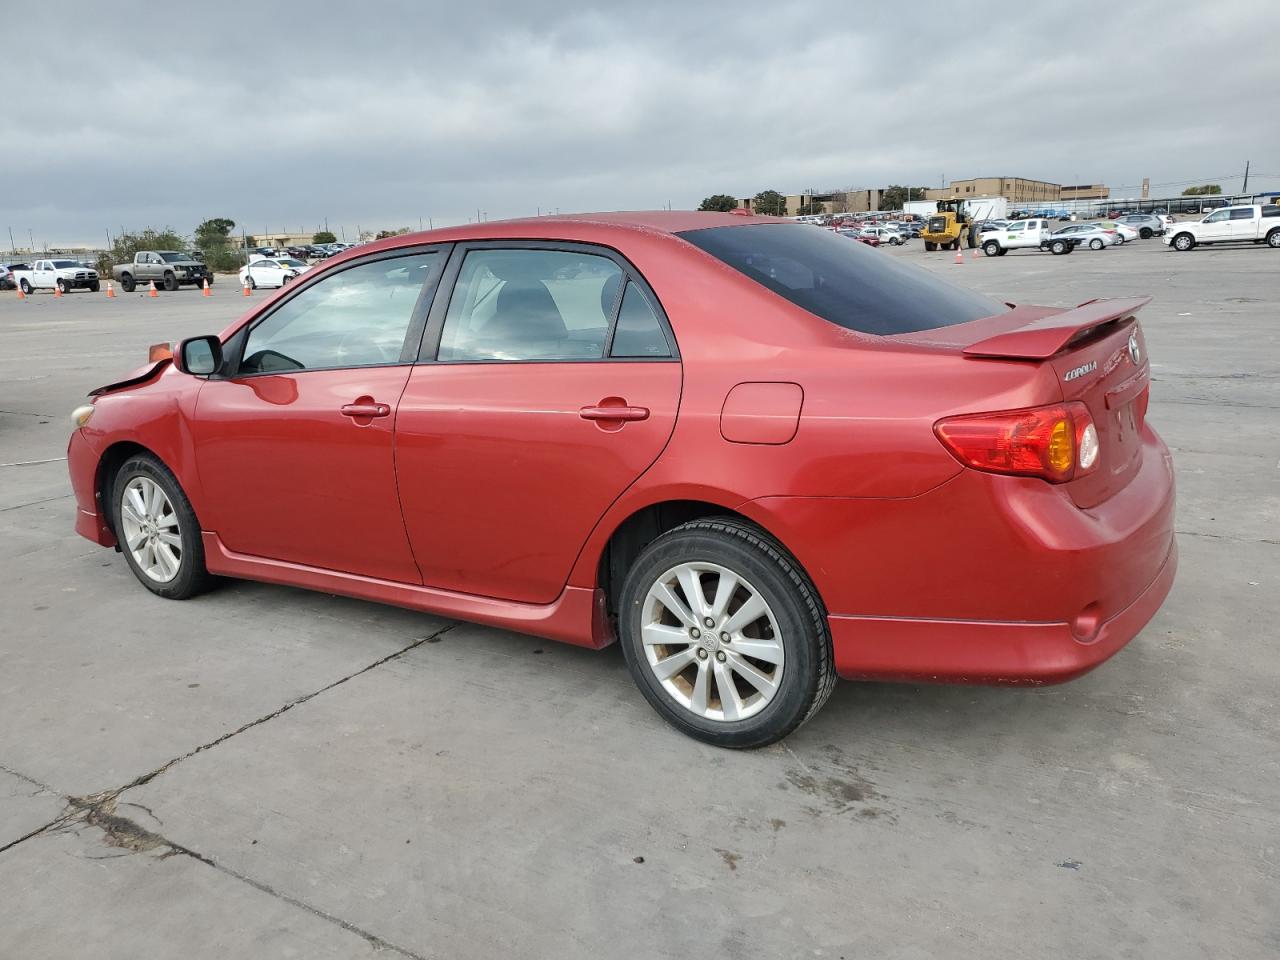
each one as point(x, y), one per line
point(82, 465)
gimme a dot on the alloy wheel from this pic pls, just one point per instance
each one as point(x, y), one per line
point(151, 530)
point(712, 641)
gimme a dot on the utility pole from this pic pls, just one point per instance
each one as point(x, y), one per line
point(1245, 188)
point(13, 246)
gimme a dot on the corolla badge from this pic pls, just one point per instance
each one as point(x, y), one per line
point(1081, 370)
point(1135, 351)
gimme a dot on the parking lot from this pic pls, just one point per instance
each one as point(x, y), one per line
point(266, 772)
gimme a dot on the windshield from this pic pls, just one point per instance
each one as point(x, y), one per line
point(63, 264)
point(844, 283)
point(170, 256)
point(290, 262)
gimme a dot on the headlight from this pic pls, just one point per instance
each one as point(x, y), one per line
point(80, 415)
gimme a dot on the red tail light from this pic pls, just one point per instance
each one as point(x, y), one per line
point(1056, 443)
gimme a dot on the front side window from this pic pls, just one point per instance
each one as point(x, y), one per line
point(356, 318)
point(1216, 217)
point(1015, 226)
point(530, 305)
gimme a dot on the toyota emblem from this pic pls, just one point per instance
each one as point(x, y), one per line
point(1135, 351)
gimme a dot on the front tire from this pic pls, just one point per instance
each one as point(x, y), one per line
point(1183, 242)
point(725, 635)
point(930, 246)
point(991, 248)
point(1145, 233)
point(63, 286)
point(127, 283)
point(170, 282)
point(95, 286)
point(157, 530)
point(1096, 244)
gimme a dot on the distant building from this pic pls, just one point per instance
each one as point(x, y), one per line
point(1087, 191)
point(1013, 189)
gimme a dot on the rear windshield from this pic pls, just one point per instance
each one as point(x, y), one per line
point(845, 282)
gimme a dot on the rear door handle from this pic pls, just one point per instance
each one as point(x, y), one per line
point(614, 413)
point(366, 409)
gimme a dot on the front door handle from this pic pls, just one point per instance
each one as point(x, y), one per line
point(620, 412)
point(366, 408)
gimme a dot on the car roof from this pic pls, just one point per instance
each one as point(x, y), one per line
point(589, 227)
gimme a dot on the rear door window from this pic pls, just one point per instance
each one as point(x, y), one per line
point(532, 305)
point(847, 284)
point(1245, 213)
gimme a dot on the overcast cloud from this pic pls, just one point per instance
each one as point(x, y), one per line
point(281, 116)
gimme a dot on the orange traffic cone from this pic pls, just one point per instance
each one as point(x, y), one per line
point(21, 295)
point(57, 290)
point(111, 291)
point(153, 290)
point(246, 288)
point(959, 255)
point(206, 292)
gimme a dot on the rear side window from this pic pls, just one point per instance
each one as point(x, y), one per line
point(638, 333)
point(1244, 213)
point(848, 284)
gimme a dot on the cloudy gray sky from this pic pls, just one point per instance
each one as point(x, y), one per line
point(373, 114)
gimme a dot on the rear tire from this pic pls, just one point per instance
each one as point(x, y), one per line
point(26, 286)
point(698, 682)
point(159, 535)
point(991, 248)
point(1059, 247)
point(1273, 239)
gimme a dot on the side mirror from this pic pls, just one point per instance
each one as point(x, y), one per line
point(199, 356)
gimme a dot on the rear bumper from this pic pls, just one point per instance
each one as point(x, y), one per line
point(985, 579)
point(970, 651)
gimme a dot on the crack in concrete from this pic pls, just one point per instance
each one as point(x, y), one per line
point(1224, 536)
point(122, 832)
point(99, 810)
point(35, 502)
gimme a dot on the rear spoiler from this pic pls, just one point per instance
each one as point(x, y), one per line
point(1040, 339)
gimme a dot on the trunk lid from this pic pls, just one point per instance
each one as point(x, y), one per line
point(1099, 355)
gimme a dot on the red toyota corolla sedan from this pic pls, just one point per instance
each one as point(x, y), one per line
point(754, 453)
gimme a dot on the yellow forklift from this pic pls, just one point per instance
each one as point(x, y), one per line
point(950, 228)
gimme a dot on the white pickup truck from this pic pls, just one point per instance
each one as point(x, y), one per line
point(1251, 223)
point(65, 275)
point(1032, 234)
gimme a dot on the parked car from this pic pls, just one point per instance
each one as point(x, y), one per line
point(298, 252)
point(747, 493)
point(56, 274)
point(885, 235)
point(7, 280)
point(1126, 231)
point(870, 239)
point(169, 269)
point(1248, 223)
point(1089, 235)
point(1148, 225)
point(1032, 234)
point(271, 272)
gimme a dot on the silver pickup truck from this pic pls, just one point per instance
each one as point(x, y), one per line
point(168, 268)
